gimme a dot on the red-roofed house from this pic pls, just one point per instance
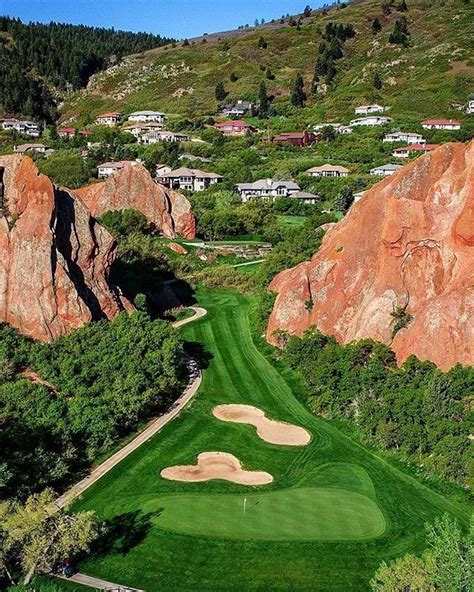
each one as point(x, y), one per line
point(443, 124)
point(296, 138)
point(235, 127)
point(85, 133)
point(406, 151)
point(66, 132)
point(110, 119)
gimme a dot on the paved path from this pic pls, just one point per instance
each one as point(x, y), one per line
point(153, 428)
point(98, 584)
point(248, 263)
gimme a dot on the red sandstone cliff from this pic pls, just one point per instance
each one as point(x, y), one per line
point(54, 258)
point(132, 187)
point(409, 242)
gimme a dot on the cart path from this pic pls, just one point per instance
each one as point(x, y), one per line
point(98, 584)
point(195, 378)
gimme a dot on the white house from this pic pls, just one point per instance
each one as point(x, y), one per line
point(406, 151)
point(470, 106)
point(238, 109)
point(441, 124)
point(368, 109)
point(372, 120)
point(138, 129)
point(162, 169)
point(385, 170)
point(267, 189)
point(338, 127)
point(28, 128)
point(162, 136)
point(146, 116)
point(109, 168)
point(108, 119)
point(189, 179)
point(406, 137)
point(328, 170)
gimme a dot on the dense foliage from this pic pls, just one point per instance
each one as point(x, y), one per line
point(415, 409)
point(34, 56)
point(99, 384)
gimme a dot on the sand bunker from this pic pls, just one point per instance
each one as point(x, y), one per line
point(216, 465)
point(269, 430)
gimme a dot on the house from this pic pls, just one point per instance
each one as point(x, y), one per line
point(372, 120)
point(138, 129)
point(407, 137)
point(147, 116)
point(109, 168)
point(24, 148)
point(368, 109)
point(193, 158)
point(85, 133)
point(385, 170)
point(162, 136)
point(109, 119)
point(296, 138)
point(66, 132)
point(28, 128)
point(359, 195)
point(235, 127)
point(266, 189)
point(406, 151)
point(328, 170)
point(306, 197)
point(162, 169)
point(238, 109)
point(441, 124)
point(470, 106)
point(189, 179)
point(338, 128)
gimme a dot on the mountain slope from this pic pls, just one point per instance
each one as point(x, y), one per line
point(423, 79)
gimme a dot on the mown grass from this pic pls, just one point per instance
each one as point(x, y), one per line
point(182, 536)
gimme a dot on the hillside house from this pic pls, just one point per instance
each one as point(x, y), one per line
point(138, 129)
point(369, 109)
point(22, 126)
point(85, 133)
point(407, 137)
point(66, 132)
point(296, 138)
point(189, 179)
point(266, 189)
point(470, 106)
point(147, 116)
point(106, 169)
point(358, 196)
point(238, 109)
point(157, 136)
point(406, 151)
point(162, 169)
point(372, 121)
point(306, 197)
point(235, 127)
point(328, 170)
point(441, 124)
point(40, 148)
point(108, 119)
point(385, 170)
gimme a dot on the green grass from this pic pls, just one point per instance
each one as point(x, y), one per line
point(333, 512)
point(291, 220)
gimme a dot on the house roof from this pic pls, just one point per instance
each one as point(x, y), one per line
point(233, 123)
point(195, 173)
point(368, 106)
point(290, 136)
point(417, 148)
point(440, 121)
point(384, 117)
point(146, 113)
point(268, 184)
point(67, 130)
point(328, 168)
point(143, 125)
point(25, 147)
point(403, 134)
point(388, 167)
point(305, 195)
point(119, 164)
point(111, 114)
point(85, 133)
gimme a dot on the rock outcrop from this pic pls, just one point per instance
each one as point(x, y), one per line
point(167, 211)
point(406, 246)
point(54, 257)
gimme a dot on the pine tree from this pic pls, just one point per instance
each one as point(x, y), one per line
point(233, 77)
point(262, 43)
point(298, 96)
point(220, 91)
point(263, 102)
point(377, 81)
point(344, 200)
point(307, 11)
point(400, 33)
point(402, 7)
point(376, 26)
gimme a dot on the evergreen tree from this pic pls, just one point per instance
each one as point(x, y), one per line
point(220, 91)
point(269, 74)
point(263, 102)
point(376, 26)
point(233, 77)
point(400, 33)
point(298, 96)
point(344, 200)
point(262, 43)
point(307, 11)
point(377, 81)
point(402, 7)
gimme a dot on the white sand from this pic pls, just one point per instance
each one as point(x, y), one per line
point(216, 465)
point(275, 432)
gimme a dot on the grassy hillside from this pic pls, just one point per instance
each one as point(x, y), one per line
point(420, 80)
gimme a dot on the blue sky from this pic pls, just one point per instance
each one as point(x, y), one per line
point(175, 18)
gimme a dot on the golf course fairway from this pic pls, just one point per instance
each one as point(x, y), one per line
point(332, 513)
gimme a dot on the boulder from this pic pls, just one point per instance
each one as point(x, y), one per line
point(407, 245)
point(54, 257)
point(132, 187)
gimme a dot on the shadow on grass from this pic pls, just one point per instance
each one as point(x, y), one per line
point(122, 533)
point(196, 350)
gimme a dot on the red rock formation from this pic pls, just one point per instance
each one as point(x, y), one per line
point(132, 187)
point(177, 248)
point(54, 258)
point(409, 243)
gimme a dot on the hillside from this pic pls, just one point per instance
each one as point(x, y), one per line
point(435, 68)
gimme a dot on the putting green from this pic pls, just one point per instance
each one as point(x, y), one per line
point(305, 514)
